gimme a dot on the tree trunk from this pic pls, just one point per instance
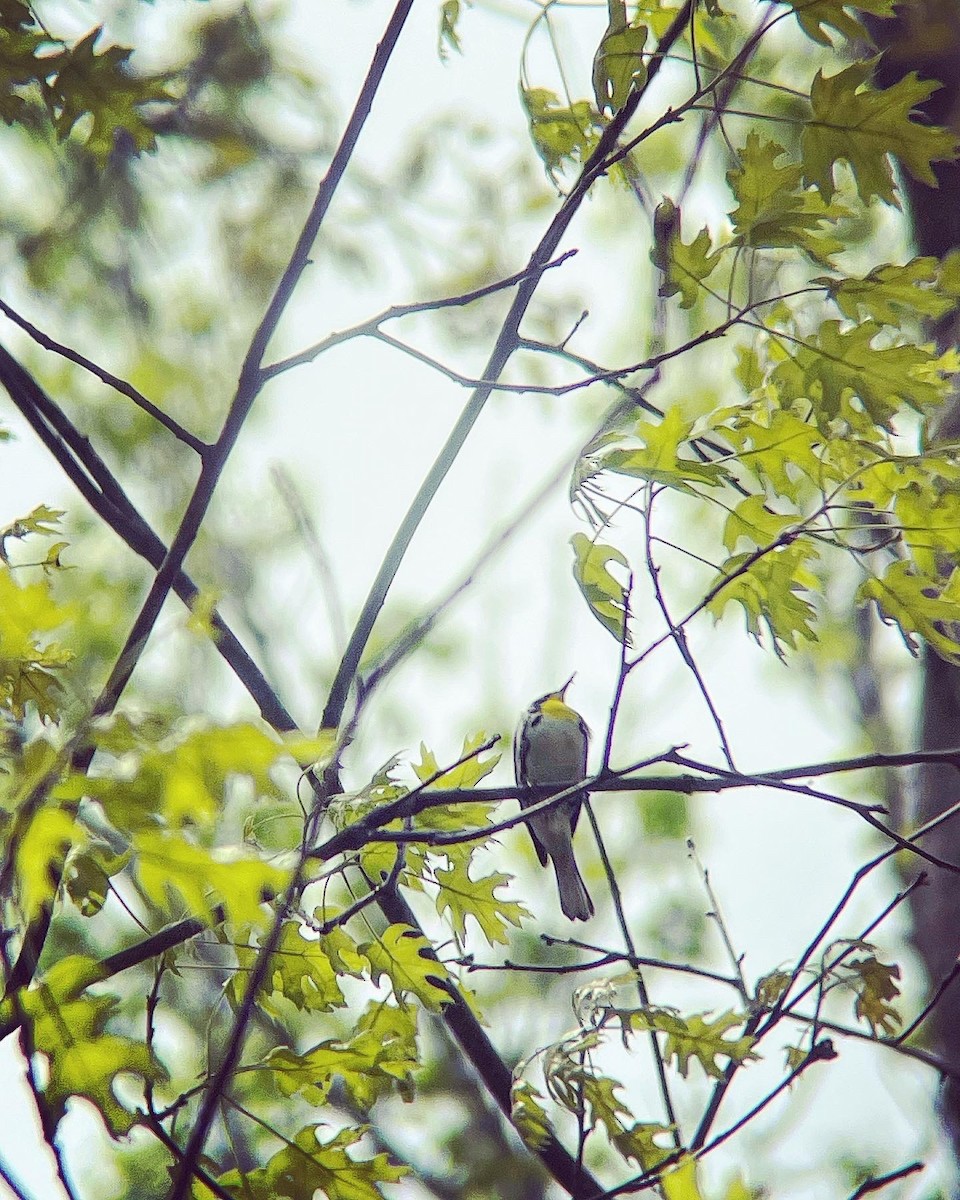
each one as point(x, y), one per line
point(926, 39)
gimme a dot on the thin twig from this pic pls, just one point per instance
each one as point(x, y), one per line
point(736, 960)
point(119, 385)
point(679, 635)
point(321, 559)
point(10, 1180)
point(876, 1182)
point(931, 1004)
point(371, 327)
point(93, 479)
point(634, 962)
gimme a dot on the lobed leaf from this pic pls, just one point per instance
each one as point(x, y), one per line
point(399, 955)
point(306, 1166)
point(658, 460)
point(774, 210)
point(889, 292)
point(528, 1114)
point(863, 126)
point(603, 592)
point(815, 17)
point(771, 589)
point(684, 265)
point(375, 1061)
point(460, 897)
point(919, 604)
point(876, 986)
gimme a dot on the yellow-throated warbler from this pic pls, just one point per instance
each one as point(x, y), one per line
point(550, 750)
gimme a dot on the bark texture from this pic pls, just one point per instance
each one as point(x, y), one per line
point(926, 39)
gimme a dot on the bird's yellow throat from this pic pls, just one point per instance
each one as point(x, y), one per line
point(554, 707)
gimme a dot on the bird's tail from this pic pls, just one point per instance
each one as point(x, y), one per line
point(574, 897)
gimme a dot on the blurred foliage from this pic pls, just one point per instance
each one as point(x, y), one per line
point(152, 209)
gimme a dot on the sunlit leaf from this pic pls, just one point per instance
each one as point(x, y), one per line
point(307, 1165)
point(460, 897)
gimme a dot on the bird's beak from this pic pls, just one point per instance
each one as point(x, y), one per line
point(566, 685)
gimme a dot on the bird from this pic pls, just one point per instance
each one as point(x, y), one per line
point(550, 749)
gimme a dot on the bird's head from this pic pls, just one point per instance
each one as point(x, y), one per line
point(554, 705)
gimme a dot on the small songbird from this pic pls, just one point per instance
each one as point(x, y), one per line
point(550, 749)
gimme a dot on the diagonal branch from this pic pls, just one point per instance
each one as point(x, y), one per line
point(98, 486)
point(507, 342)
point(118, 385)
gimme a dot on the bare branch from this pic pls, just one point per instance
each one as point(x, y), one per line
point(119, 385)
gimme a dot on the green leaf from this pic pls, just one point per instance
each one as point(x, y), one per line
point(918, 604)
point(638, 1143)
point(29, 660)
point(399, 954)
point(753, 521)
point(460, 897)
point(341, 949)
point(658, 458)
point(603, 592)
point(102, 88)
point(890, 292)
point(777, 447)
point(854, 122)
point(771, 589)
point(87, 877)
point(448, 818)
point(597, 1092)
point(301, 971)
point(876, 986)
point(929, 520)
point(42, 520)
point(83, 1059)
point(466, 774)
point(185, 779)
point(697, 1038)
point(680, 1182)
point(618, 65)
point(529, 1116)
point(684, 265)
point(204, 879)
point(563, 135)
point(306, 1166)
point(40, 854)
point(836, 366)
point(380, 1058)
point(773, 209)
point(816, 16)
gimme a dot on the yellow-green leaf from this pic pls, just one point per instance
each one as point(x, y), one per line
point(684, 264)
point(657, 458)
point(528, 1114)
point(400, 955)
point(603, 592)
point(680, 1182)
point(618, 65)
point(460, 897)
